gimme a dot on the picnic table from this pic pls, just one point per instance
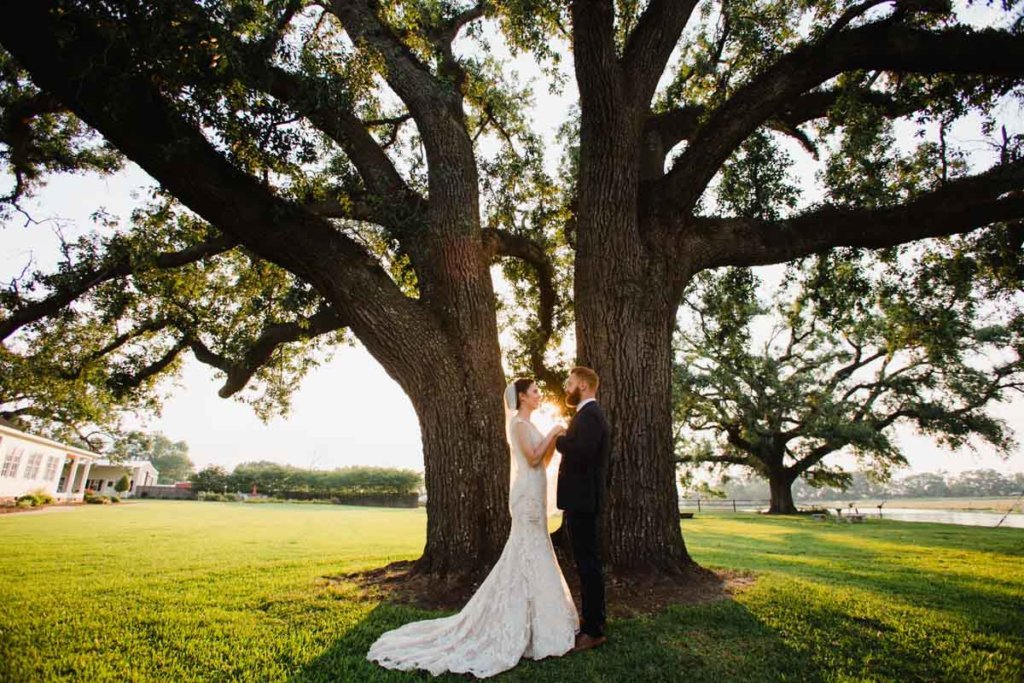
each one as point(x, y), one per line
point(851, 517)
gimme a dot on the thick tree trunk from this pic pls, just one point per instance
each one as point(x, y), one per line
point(456, 392)
point(455, 381)
point(781, 486)
point(642, 523)
point(466, 470)
point(624, 321)
point(465, 454)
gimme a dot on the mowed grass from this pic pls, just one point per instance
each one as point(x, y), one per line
point(181, 591)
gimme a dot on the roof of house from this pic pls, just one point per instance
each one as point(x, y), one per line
point(6, 429)
point(130, 464)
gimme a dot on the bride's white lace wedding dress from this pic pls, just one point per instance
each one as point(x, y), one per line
point(522, 609)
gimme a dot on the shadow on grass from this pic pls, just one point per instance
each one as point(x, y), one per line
point(715, 642)
point(973, 580)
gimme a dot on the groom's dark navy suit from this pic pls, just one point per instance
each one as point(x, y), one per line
point(582, 488)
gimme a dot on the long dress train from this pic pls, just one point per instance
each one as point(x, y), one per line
point(522, 609)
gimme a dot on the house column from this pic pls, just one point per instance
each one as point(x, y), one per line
point(85, 475)
point(69, 482)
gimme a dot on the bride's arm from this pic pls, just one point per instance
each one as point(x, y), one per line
point(541, 453)
point(552, 437)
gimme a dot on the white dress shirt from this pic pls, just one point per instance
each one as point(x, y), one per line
point(583, 403)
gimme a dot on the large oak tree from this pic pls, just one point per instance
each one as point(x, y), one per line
point(850, 348)
point(284, 131)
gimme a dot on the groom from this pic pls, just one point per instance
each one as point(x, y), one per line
point(581, 493)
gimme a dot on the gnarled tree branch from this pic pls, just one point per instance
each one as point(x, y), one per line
point(406, 74)
point(651, 43)
point(119, 267)
point(880, 45)
point(501, 243)
point(120, 383)
point(117, 342)
point(88, 74)
point(957, 206)
point(240, 371)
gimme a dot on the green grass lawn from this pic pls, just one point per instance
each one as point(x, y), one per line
point(179, 591)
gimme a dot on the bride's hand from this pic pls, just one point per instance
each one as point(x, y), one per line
point(558, 430)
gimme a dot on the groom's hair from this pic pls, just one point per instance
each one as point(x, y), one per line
point(587, 375)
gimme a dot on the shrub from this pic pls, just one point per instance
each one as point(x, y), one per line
point(25, 502)
point(115, 499)
point(34, 498)
point(219, 497)
point(42, 497)
point(123, 484)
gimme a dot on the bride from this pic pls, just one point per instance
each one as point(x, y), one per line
point(523, 608)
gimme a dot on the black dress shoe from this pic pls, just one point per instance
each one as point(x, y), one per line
point(586, 642)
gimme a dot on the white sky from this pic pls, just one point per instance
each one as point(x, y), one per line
point(348, 411)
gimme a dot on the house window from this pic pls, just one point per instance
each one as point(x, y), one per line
point(51, 467)
point(32, 468)
point(11, 462)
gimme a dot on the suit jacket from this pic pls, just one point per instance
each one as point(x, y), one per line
point(582, 474)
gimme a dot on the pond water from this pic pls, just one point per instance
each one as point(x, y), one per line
point(1014, 519)
point(964, 517)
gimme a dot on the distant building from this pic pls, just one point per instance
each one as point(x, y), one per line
point(104, 475)
point(181, 490)
point(29, 462)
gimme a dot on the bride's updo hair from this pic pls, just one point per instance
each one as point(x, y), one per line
point(522, 384)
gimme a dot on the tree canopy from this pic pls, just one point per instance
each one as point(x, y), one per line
point(170, 458)
point(931, 336)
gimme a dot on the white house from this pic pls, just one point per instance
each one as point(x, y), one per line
point(29, 462)
point(104, 475)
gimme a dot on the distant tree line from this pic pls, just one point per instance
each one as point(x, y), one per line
point(170, 458)
point(977, 483)
point(289, 481)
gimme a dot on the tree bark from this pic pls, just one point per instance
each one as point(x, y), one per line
point(624, 331)
point(624, 317)
point(466, 470)
point(630, 344)
point(780, 484)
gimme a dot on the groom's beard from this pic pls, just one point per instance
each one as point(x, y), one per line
point(572, 399)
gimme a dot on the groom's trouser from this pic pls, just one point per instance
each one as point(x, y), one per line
point(583, 536)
